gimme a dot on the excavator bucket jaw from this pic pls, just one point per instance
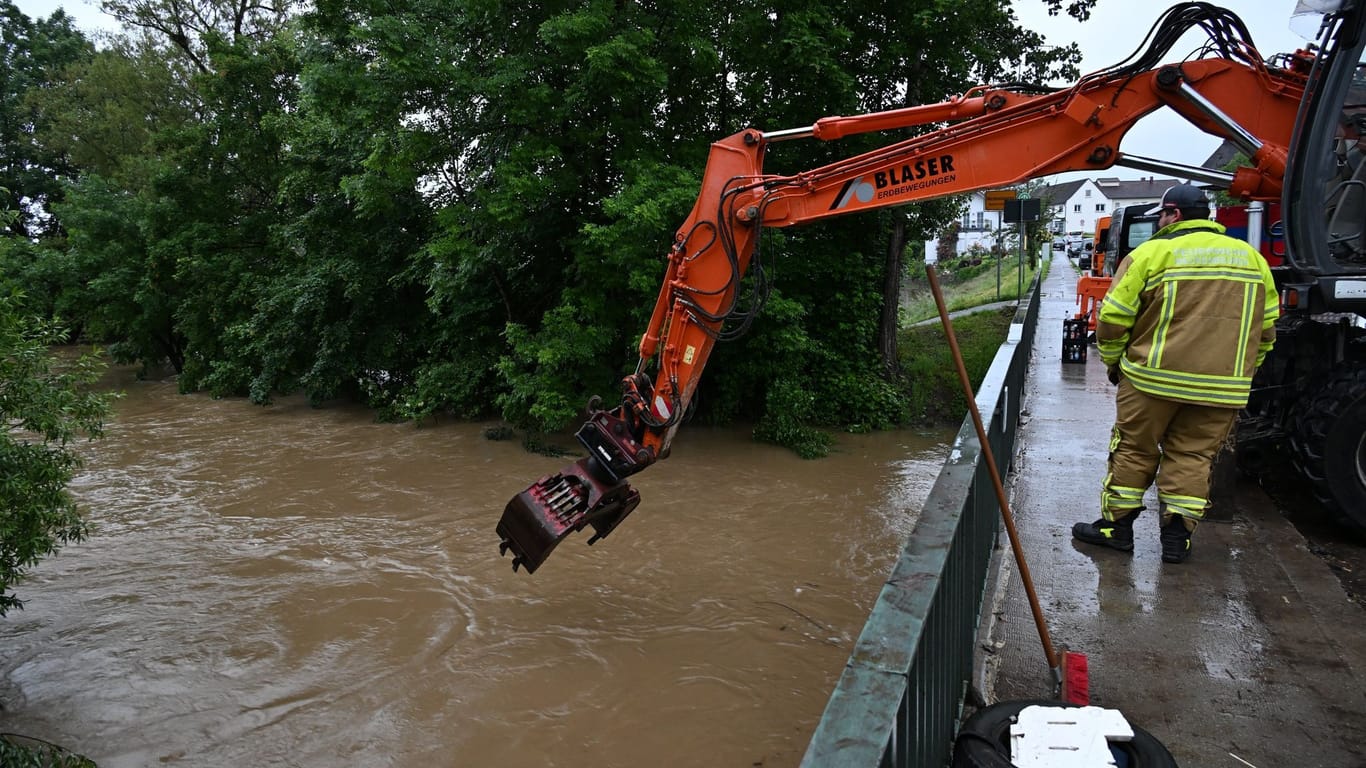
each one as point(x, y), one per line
point(539, 518)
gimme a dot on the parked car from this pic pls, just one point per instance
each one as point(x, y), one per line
point(1084, 257)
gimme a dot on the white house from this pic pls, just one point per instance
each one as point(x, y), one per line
point(1076, 205)
point(977, 228)
point(1125, 192)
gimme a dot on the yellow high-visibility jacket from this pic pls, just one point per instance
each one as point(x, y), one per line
point(1190, 315)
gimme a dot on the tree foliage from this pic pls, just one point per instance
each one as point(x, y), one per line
point(32, 54)
point(44, 406)
point(192, 27)
point(463, 206)
point(1077, 9)
point(21, 752)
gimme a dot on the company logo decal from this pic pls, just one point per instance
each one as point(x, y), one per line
point(897, 180)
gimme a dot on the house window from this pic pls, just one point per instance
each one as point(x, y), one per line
point(977, 221)
point(1100, 207)
point(1088, 193)
point(1076, 208)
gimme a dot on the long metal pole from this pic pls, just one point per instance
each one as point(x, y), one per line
point(995, 475)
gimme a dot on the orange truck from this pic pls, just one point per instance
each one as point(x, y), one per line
point(1091, 288)
point(1297, 117)
point(1116, 236)
point(1097, 263)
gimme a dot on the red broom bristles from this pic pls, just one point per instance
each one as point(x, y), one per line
point(1076, 680)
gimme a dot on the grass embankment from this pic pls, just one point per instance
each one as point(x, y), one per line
point(935, 394)
point(965, 286)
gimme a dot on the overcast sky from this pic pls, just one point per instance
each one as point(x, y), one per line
point(1115, 30)
point(86, 12)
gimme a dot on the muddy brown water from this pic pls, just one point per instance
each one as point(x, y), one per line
point(298, 587)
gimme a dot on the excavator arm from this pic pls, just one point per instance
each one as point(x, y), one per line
point(994, 137)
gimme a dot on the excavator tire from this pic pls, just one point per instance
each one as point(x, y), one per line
point(984, 740)
point(1328, 442)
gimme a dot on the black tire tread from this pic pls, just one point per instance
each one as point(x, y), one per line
point(1312, 424)
point(983, 740)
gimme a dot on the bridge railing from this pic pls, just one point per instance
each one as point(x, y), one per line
point(900, 697)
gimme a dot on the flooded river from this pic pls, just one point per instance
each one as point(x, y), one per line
point(298, 587)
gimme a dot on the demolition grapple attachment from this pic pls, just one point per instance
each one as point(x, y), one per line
point(591, 491)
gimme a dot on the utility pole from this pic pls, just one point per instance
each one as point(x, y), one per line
point(1019, 212)
point(1019, 267)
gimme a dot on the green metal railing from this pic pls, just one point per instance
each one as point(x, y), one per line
point(898, 702)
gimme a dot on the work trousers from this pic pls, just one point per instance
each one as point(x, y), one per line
point(1171, 441)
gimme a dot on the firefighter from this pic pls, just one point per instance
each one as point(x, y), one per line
point(1189, 317)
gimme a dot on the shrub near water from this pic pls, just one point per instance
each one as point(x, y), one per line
point(22, 752)
point(928, 386)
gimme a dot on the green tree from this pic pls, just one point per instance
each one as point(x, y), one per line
point(115, 289)
point(860, 57)
point(523, 125)
point(107, 112)
point(928, 55)
point(463, 205)
point(44, 406)
point(563, 145)
point(193, 26)
point(32, 56)
point(213, 226)
point(1078, 9)
point(347, 317)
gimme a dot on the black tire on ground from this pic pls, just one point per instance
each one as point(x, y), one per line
point(1328, 439)
point(984, 740)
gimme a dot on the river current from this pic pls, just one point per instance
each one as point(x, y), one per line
point(307, 587)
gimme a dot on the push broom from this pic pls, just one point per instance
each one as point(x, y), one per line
point(1070, 673)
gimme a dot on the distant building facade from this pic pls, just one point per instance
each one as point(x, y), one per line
point(1069, 207)
point(978, 229)
point(1074, 206)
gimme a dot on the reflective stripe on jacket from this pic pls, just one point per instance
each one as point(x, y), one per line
point(1190, 315)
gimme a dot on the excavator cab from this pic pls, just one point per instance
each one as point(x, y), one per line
point(1308, 403)
point(1326, 171)
point(1130, 227)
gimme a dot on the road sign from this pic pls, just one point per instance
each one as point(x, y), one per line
point(1017, 211)
point(996, 198)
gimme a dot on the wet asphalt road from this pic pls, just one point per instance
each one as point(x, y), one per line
point(1250, 653)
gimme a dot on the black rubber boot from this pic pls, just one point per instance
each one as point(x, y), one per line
point(1176, 540)
point(1115, 534)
